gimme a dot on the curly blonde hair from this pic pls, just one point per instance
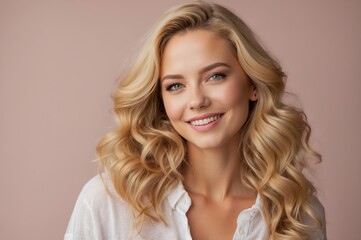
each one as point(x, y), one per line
point(146, 157)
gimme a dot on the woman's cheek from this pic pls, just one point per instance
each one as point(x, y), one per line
point(173, 108)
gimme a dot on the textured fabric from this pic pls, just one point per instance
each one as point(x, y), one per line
point(100, 214)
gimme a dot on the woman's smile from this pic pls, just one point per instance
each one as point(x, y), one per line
point(205, 119)
point(205, 122)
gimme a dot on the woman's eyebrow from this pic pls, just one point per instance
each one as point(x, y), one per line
point(203, 70)
point(214, 65)
point(175, 76)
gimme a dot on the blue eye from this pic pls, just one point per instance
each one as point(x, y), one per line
point(217, 76)
point(173, 87)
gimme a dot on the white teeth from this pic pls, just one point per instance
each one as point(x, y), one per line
point(205, 121)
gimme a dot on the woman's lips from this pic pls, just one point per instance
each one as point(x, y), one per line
point(205, 122)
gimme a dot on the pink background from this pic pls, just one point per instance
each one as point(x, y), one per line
point(59, 61)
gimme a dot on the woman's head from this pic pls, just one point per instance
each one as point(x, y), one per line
point(143, 90)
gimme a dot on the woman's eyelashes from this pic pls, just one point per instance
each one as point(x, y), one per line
point(173, 86)
point(217, 76)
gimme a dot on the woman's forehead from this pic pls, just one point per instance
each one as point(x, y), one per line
point(197, 48)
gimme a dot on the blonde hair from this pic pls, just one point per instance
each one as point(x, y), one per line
point(145, 156)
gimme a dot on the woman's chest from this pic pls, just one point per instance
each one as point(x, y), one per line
point(209, 220)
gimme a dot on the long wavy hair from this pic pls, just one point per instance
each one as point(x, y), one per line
point(146, 157)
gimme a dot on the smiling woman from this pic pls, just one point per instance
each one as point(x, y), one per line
point(205, 147)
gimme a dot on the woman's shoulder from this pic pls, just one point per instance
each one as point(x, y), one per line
point(99, 193)
point(94, 185)
point(96, 189)
point(99, 212)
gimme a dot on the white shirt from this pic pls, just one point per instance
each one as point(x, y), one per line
point(102, 215)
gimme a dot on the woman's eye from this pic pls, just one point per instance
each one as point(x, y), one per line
point(173, 87)
point(217, 76)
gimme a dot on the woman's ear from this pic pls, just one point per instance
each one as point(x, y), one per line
point(253, 94)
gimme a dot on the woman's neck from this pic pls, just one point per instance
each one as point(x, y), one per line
point(214, 173)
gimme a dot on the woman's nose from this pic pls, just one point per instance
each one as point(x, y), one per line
point(198, 98)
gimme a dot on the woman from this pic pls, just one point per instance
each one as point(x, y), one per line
point(205, 147)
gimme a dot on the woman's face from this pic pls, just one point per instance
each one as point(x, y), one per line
point(204, 89)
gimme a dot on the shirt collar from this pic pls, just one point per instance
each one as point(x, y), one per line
point(176, 194)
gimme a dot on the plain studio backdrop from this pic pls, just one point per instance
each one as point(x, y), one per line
point(59, 64)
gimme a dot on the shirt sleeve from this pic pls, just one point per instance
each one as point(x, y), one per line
point(82, 224)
